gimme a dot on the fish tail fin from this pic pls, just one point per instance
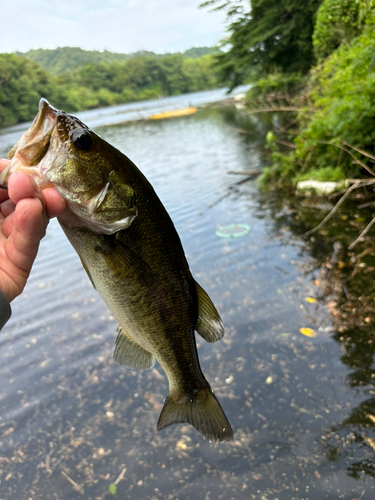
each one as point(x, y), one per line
point(204, 413)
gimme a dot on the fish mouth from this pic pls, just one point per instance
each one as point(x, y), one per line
point(27, 154)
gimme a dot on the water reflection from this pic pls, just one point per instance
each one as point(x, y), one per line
point(349, 443)
point(73, 422)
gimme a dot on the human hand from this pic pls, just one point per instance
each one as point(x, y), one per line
point(25, 211)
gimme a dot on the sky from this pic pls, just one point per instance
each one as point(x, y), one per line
point(123, 26)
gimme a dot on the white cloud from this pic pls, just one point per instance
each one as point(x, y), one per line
point(117, 25)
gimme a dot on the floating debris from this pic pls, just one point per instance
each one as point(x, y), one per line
point(174, 113)
point(309, 332)
point(232, 231)
point(310, 300)
point(112, 488)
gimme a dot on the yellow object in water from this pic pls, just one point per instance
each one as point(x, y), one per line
point(310, 300)
point(175, 112)
point(309, 332)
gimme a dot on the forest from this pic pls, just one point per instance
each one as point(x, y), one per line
point(312, 64)
point(74, 79)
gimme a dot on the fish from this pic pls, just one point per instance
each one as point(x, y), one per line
point(134, 258)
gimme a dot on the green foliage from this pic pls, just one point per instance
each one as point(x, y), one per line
point(277, 83)
point(112, 488)
point(342, 90)
point(325, 174)
point(22, 84)
point(144, 76)
point(196, 52)
point(337, 134)
point(274, 36)
point(59, 61)
point(337, 22)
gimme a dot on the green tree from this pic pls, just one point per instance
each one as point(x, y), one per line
point(336, 137)
point(271, 36)
point(58, 61)
point(22, 84)
point(337, 22)
point(142, 76)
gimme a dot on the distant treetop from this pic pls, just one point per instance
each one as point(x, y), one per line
point(58, 61)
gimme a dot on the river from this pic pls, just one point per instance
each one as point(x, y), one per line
point(73, 424)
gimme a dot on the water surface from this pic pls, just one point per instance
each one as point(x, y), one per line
point(72, 422)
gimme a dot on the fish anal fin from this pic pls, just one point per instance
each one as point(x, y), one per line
point(209, 325)
point(204, 413)
point(129, 353)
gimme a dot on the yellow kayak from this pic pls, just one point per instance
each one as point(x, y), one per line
point(172, 114)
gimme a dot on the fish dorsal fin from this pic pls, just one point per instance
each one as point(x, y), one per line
point(129, 353)
point(209, 325)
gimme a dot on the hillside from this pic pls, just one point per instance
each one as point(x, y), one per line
point(58, 61)
point(76, 79)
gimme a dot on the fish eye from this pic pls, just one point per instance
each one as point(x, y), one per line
point(82, 139)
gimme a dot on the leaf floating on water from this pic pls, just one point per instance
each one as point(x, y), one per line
point(112, 488)
point(310, 300)
point(269, 380)
point(285, 334)
point(309, 332)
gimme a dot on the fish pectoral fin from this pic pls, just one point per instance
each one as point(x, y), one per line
point(204, 413)
point(123, 261)
point(209, 325)
point(129, 353)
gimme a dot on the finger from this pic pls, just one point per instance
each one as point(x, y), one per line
point(21, 185)
point(7, 207)
point(55, 204)
point(28, 228)
point(3, 195)
point(7, 226)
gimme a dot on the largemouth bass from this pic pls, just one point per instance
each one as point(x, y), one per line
point(133, 256)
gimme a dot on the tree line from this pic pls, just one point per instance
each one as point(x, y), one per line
point(73, 79)
point(314, 61)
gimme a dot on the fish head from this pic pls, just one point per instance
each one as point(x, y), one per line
point(60, 151)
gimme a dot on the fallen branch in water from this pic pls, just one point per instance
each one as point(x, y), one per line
point(365, 231)
point(363, 165)
point(275, 109)
point(363, 183)
point(335, 208)
point(121, 476)
point(357, 183)
point(76, 486)
point(243, 172)
point(364, 153)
